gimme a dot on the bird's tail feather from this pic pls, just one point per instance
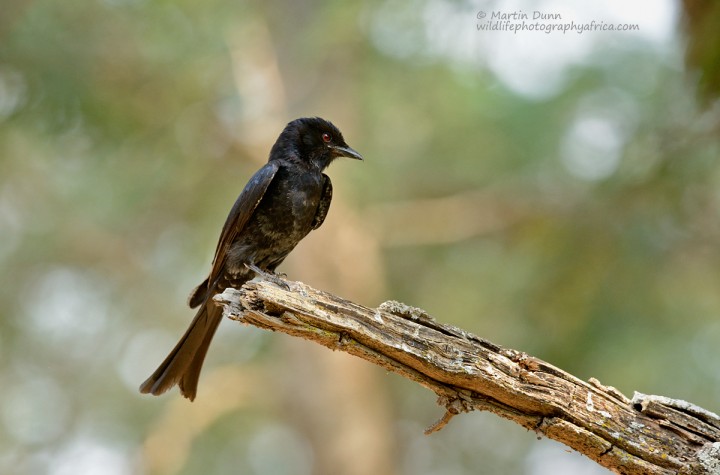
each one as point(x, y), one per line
point(182, 366)
point(199, 294)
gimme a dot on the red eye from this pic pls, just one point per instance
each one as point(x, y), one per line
point(326, 137)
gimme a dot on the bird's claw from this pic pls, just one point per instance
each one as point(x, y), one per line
point(276, 279)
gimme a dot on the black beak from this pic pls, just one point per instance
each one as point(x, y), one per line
point(345, 151)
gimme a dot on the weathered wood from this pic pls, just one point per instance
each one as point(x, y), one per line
point(649, 435)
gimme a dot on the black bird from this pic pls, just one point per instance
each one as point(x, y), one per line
point(280, 205)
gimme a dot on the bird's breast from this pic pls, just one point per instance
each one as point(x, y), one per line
point(283, 216)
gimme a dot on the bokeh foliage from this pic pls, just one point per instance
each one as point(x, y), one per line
point(580, 226)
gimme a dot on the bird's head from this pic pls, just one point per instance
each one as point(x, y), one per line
point(314, 141)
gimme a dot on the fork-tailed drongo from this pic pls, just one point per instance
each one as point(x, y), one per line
point(280, 205)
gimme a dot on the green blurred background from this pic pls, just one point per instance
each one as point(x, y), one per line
point(554, 193)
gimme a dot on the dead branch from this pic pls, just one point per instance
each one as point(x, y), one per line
point(645, 435)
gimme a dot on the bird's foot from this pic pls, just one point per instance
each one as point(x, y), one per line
point(276, 279)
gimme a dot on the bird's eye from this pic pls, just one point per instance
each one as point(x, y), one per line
point(326, 137)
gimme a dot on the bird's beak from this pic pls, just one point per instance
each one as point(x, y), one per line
point(345, 152)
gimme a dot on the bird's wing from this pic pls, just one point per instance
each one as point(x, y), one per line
point(240, 214)
point(324, 205)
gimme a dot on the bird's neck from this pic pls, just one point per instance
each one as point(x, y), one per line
point(311, 165)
